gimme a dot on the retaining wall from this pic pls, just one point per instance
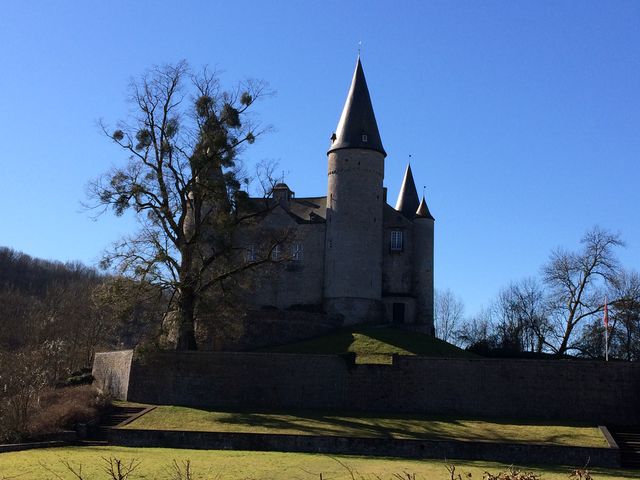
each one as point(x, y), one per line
point(592, 391)
point(518, 453)
point(112, 370)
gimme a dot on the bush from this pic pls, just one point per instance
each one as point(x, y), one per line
point(64, 408)
point(82, 377)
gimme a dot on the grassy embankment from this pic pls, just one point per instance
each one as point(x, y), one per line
point(367, 425)
point(236, 465)
point(373, 344)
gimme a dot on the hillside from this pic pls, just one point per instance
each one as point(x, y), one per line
point(32, 276)
point(69, 309)
point(374, 344)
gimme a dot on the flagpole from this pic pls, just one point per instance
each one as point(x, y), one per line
point(606, 330)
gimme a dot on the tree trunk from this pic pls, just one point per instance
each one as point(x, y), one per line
point(186, 338)
point(562, 349)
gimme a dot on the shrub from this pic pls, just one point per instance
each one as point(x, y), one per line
point(22, 378)
point(62, 408)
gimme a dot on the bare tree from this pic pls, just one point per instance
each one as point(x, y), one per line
point(23, 375)
point(521, 316)
point(577, 282)
point(478, 331)
point(624, 317)
point(183, 183)
point(449, 311)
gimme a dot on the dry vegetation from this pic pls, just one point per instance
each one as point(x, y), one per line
point(65, 407)
point(30, 415)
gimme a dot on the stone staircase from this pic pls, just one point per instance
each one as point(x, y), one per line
point(115, 416)
point(628, 440)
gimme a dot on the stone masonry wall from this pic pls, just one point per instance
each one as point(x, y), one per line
point(599, 392)
point(111, 371)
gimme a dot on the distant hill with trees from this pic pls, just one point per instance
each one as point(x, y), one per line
point(70, 308)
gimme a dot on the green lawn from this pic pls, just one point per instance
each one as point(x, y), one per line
point(395, 426)
point(374, 344)
point(238, 465)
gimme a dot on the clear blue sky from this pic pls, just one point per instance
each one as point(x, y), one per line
point(522, 118)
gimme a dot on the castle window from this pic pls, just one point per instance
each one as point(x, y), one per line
point(250, 254)
point(397, 244)
point(276, 253)
point(364, 138)
point(296, 252)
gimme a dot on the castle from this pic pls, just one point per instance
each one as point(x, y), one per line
point(355, 258)
point(349, 253)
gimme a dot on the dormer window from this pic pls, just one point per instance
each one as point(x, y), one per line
point(364, 138)
point(276, 253)
point(397, 241)
point(282, 193)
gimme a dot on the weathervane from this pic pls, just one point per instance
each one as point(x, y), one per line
point(359, 47)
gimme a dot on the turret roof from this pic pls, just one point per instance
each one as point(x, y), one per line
point(357, 127)
point(423, 210)
point(407, 203)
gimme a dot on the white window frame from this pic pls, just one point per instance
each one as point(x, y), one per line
point(250, 253)
point(397, 241)
point(276, 252)
point(297, 252)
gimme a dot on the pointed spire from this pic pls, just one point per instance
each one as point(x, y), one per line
point(357, 127)
point(423, 210)
point(407, 203)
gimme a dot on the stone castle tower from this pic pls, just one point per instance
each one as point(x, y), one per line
point(355, 199)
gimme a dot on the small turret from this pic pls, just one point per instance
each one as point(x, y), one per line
point(423, 228)
point(407, 203)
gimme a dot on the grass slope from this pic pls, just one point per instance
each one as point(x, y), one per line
point(374, 344)
point(387, 425)
point(238, 465)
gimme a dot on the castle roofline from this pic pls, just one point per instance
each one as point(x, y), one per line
point(302, 209)
point(357, 127)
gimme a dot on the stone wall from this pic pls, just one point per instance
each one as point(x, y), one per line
point(263, 328)
point(291, 282)
point(598, 392)
point(518, 453)
point(112, 371)
point(397, 267)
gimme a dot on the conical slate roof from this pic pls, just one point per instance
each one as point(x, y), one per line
point(357, 127)
point(407, 203)
point(423, 210)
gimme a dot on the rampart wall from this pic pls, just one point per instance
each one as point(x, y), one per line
point(593, 391)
